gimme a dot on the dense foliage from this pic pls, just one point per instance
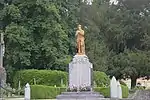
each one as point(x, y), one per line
point(101, 79)
point(39, 34)
point(51, 92)
point(120, 37)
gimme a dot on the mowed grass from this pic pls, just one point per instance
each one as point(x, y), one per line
point(23, 99)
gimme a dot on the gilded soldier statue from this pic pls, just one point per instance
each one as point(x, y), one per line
point(80, 41)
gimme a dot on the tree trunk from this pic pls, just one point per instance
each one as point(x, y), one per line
point(133, 81)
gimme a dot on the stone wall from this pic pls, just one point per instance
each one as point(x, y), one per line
point(142, 95)
point(139, 95)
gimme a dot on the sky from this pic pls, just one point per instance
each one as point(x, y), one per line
point(89, 2)
point(114, 1)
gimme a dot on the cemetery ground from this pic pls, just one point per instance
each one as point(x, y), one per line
point(23, 99)
point(53, 83)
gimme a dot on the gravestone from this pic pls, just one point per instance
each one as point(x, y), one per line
point(119, 90)
point(113, 88)
point(27, 92)
point(2, 69)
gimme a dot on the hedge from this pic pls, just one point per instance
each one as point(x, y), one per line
point(49, 92)
point(51, 78)
point(125, 91)
point(42, 77)
point(105, 91)
point(101, 79)
point(45, 92)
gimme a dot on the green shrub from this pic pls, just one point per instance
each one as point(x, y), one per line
point(45, 92)
point(51, 78)
point(42, 77)
point(125, 91)
point(106, 91)
point(101, 79)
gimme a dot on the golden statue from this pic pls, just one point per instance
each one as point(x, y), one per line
point(80, 41)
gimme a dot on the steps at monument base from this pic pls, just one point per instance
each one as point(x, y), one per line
point(85, 99)
point(80, 96)
point(82, 93)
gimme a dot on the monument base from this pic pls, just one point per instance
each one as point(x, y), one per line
point(2, 81)
point(80, 96)
point(2, 76)
point(80, 81)
point(80, 72)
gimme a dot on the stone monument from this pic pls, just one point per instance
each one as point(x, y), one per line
point(2, 69)
point(80, 74)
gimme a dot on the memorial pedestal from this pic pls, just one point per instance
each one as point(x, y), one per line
point(80, 81)
point(80, 72)
point(2, 75)
point(2, 81)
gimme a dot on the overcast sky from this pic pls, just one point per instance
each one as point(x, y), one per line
point(114, 1)
point(111, 1)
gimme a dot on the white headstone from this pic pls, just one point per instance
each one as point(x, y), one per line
point(113, 88)
point(119, 90)
point(27, 92)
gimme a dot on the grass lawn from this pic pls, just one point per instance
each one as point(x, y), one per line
point(23, 99)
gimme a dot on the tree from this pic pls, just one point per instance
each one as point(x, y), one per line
point(129, 65)
point(42, 34)
point(119, 27)
point(37, 33)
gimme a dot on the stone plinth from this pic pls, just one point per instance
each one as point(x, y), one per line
point(80, 78)
point(2, 75)
point(80, 96)
point(80, 72)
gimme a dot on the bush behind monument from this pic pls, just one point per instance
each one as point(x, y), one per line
point(52, 78)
